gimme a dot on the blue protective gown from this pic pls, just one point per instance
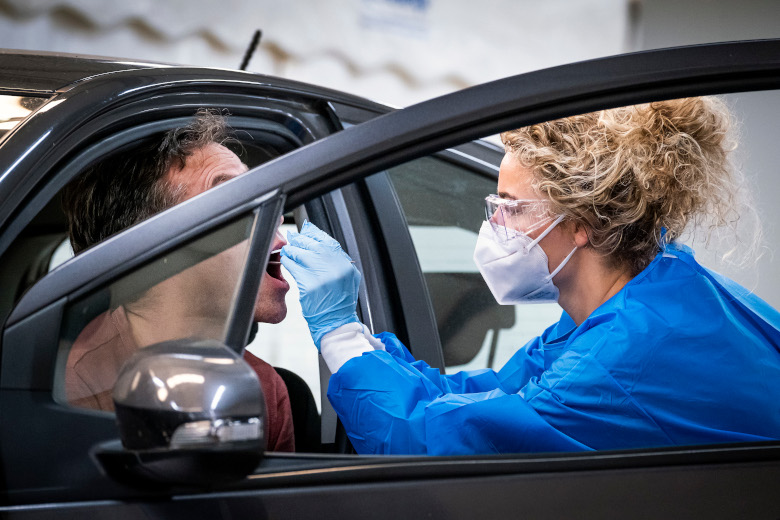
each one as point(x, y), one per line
point(681, 355)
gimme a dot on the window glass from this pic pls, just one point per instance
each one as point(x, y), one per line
point(13, 109)
point(186, 293)
point(444, 206)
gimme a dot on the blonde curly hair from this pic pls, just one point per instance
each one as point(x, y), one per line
point(635, 176)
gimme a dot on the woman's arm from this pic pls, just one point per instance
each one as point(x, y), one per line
point(391, 404)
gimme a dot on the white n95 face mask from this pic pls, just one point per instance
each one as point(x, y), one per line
point(516, 271)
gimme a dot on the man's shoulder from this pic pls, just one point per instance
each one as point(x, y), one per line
point(278, 404)
point(100, 338)
point(266, 373)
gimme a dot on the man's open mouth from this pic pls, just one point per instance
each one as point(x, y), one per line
point(274, 267)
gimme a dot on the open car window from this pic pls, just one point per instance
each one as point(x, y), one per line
point(101, 330)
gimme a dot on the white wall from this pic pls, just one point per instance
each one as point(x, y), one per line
point(666, 23)
point(394, 51)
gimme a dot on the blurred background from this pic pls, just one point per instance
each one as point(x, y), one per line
point(396, 52)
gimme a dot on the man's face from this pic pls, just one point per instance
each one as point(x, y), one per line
point(208, 167)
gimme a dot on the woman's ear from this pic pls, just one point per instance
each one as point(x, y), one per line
point(580, 235)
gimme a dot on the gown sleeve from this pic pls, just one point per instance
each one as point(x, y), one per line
point(653, 366)
point(391, 403)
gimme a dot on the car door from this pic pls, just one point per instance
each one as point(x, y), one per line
point(710, 481)
point(406, 149)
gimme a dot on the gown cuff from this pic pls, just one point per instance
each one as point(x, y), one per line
point(342, 344)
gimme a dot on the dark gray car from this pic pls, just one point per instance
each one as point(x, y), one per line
point(365, 174)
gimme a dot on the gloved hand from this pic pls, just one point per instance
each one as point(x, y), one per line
point(327, 279)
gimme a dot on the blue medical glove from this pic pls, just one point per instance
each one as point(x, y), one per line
point(327, 279)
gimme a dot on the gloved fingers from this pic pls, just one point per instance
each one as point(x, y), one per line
point(295, 269)
point(303, 257)
point(310, 230)
point(326, 250)
point(303, 241)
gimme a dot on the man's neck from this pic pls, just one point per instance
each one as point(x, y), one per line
point(163, 319)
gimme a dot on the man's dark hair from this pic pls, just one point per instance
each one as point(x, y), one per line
point(131, 186)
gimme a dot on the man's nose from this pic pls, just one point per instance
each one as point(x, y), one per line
point(279, 240)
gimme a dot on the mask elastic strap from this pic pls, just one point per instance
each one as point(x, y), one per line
point(546, 231)
point(560, 266)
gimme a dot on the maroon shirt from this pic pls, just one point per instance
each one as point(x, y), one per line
point(106, 344)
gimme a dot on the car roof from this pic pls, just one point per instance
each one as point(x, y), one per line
point(72, 82)
point(46, 72)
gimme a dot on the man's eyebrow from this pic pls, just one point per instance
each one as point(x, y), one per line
point(505, 195)
point(219, 179)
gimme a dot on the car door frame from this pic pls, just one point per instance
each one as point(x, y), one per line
point(379, 144)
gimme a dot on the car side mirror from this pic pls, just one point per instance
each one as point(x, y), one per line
point(189, 413)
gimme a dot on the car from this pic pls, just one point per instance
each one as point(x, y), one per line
point(402, 191)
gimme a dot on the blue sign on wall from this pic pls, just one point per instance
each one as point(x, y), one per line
point(408, 17)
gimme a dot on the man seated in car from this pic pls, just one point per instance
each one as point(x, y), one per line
point(128, 188)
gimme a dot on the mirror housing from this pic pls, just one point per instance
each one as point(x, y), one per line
point(189, 413)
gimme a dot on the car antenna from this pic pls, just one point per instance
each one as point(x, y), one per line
point(251, 49)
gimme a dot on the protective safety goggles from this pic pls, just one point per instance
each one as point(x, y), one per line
point(512, 217)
